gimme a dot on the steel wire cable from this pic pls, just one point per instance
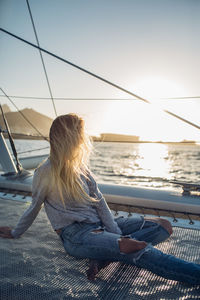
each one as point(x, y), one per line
point(42, 60)
point(98, 77)
point(94, 98)
point(33, 150)
point(18, 165)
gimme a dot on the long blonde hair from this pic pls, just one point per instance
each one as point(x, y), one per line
point(70, 147)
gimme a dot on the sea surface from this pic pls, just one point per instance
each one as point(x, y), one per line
point(136, 164)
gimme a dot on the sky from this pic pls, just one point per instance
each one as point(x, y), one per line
point(149, 47)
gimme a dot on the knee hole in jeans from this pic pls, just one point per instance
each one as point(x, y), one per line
point(128, 245)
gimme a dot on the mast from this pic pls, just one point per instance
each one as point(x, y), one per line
point(6, 160)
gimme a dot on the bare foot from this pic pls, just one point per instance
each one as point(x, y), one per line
point(95, 266)
point(5, 232)
point(163, 222)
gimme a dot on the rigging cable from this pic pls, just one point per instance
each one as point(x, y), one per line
point(32, 150)
point(74, 65)
point(42, 60)
point(18, 165)
point(96, 99)
point(96, 76)
point(24, 115)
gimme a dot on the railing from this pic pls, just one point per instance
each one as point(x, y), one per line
point(181, 219)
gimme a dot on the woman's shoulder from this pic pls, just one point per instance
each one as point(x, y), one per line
point(41, 174)
point(43, 168)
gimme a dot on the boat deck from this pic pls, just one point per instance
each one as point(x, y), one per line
point(37, 267)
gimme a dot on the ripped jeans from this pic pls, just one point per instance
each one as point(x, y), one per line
point(80, 240)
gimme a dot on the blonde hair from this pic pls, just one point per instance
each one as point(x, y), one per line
point(70, 148)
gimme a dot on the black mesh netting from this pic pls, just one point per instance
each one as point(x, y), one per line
point(36, 267)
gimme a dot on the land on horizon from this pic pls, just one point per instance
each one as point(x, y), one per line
point(20, 128)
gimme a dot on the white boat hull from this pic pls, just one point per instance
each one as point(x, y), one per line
point(123, 195)
point(31, 162)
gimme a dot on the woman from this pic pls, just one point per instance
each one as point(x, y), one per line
point(79, 213)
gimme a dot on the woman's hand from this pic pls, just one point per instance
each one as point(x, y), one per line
point(5, 232)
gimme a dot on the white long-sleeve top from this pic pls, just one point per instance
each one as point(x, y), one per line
point(59, 216)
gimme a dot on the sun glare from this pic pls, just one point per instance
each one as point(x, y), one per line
point(149, 121)
point(154, 88)
point(152, 161)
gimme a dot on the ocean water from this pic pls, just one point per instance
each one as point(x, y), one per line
point(136, 164)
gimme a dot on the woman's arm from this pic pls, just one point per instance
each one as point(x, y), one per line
point(107, 218)
point(39, 188)
point(103, 210)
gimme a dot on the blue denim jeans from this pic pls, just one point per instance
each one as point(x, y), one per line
point(80, 240)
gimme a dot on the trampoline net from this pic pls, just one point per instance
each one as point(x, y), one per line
point(36, 266)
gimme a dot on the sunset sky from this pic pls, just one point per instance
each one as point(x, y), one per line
point(150, 47)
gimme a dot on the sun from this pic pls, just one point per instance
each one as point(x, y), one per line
point(155, 88)
point(149, 121)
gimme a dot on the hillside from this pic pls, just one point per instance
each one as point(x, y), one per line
point(20, 128)
point(5, 108)
point(19, 125)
